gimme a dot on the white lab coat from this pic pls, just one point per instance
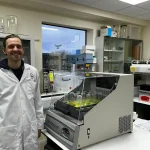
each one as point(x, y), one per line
point(21, 110)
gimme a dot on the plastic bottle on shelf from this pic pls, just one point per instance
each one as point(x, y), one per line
point(94, 63)
point(94, 60)
point(114, 33)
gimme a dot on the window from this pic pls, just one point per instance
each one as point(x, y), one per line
point(57, 42)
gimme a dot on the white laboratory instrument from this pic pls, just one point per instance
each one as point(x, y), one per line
point(64, 82)
point(100, 108)
point(140, 67)
point(143, 68)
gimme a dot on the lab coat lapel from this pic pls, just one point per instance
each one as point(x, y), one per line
point(25, 73)
point(10, 74)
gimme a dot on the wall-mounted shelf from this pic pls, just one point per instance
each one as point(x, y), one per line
point(117, 51)
point(110, 52)
point(113, 61)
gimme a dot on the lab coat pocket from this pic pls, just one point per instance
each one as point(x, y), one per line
point(9, 137)
point(31, 87)
point(34, 131)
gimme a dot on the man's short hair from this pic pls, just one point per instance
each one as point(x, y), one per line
point(10, 36)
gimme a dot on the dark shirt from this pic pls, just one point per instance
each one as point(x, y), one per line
point(18, 72)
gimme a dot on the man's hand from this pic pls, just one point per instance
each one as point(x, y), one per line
point(39, 133)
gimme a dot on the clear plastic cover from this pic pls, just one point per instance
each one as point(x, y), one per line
point(92, 90)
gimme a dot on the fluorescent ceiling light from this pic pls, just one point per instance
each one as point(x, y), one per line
point(46, 28)
point(133, 2)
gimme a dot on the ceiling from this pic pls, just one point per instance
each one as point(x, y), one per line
point(141, 11)
point(92, 10)
point(53, 7)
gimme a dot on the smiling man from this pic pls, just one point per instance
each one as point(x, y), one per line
point(21, 110)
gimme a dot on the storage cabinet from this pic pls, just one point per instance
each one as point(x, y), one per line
point(115, 54)
point(110, 54)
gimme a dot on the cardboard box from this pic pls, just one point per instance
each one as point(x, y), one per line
point(87, 51)
point(89, 47)
point(106, 32)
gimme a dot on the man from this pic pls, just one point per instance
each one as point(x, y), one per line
point(21, 111)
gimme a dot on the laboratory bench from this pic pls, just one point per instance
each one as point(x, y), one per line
point(137, 100)
point(137, 140)
point(142, 108)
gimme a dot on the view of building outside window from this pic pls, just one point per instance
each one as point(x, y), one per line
point(57, 42)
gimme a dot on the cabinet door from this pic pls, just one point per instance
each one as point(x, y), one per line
point(137, 51)
point(27, 51)
point(2, 56)
point(113, 55)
